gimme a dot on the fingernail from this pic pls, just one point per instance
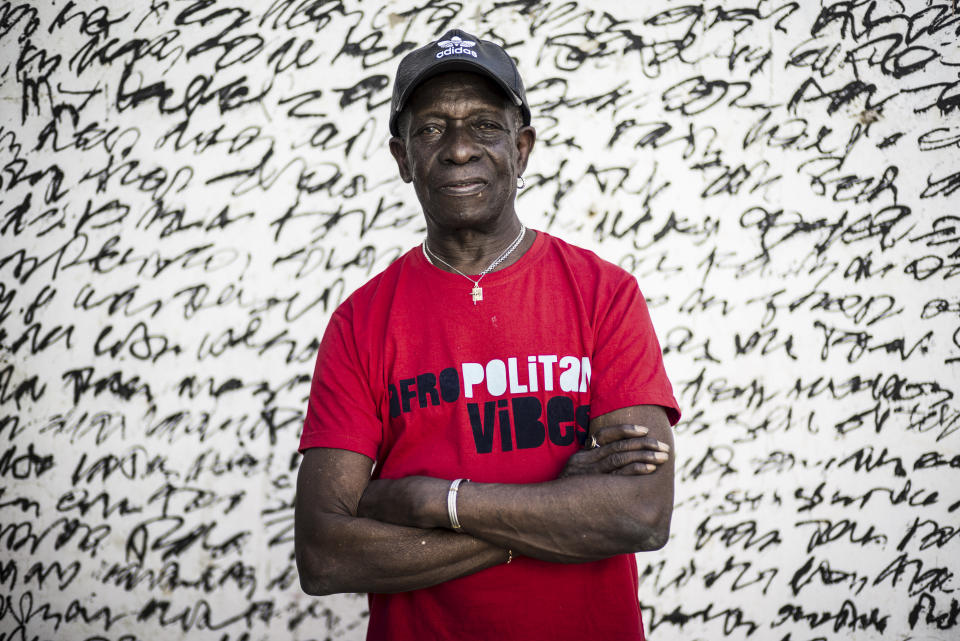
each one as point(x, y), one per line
point(661, 456)
point(663, 446)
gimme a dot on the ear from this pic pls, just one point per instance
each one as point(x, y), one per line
point(526, 137)
point(399, 151)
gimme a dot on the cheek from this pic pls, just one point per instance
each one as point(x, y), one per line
point(511, 158)
point(418, 174)
point(419, 165)
point(509, 174)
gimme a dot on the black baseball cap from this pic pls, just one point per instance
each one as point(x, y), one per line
point(457, 50)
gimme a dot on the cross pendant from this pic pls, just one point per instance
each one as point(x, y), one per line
point(477, 293)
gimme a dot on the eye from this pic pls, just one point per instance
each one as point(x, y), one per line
point(429, 130)
point(488, 125)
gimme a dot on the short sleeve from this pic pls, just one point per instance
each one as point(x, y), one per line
point(342, 412)
point(627, 365)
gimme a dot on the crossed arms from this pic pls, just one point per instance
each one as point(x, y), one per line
point(357, 535)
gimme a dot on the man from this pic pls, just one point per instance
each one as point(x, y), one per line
point(491, 353)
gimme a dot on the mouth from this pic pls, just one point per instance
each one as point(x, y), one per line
point(467, 187)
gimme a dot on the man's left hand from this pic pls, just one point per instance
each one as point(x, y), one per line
point(620, 449)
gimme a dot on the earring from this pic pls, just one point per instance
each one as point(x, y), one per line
point(520, 182)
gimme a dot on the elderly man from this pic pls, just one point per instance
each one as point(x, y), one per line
point(469, 375)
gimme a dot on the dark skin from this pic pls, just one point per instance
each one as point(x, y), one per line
point(462, 148)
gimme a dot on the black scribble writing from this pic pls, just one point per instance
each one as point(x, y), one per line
point(188, 190)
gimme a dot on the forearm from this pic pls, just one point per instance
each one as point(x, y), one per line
point(348, 554)
point(338, 550)
point(612, 500)
point(569, 520)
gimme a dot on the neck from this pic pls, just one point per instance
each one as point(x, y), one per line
point(472, 251)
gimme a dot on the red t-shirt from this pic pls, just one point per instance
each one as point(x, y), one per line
point(416, 376)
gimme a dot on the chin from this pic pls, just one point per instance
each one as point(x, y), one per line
point(463, 212)
point(464, 217)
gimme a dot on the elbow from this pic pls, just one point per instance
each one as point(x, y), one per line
point(321, 583)
point(314, 585)
point(316, 588)
point(323, 565)
point(657, 537)
point(650, 530)
point(313, 581)
point(653, 513)
point(317, 572)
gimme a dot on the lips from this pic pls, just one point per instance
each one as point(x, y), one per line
point(465, 187)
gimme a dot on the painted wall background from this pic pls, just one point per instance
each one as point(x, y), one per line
point(189, 187)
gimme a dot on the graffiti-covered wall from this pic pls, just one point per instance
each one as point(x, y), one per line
point(188, 188)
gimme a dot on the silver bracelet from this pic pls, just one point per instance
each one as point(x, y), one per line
point(452, 504)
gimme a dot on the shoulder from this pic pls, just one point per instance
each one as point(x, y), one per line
point(587, 266)
point(374, 298)
point(581, 256)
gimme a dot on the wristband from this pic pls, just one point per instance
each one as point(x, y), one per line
point(452, 504)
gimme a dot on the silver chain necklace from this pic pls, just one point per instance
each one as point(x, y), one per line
point(477, 292)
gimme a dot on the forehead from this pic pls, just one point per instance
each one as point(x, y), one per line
point(460, 89)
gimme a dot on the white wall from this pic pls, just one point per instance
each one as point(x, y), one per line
point(187, 191)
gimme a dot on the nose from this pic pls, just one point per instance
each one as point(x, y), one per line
point(460, 146)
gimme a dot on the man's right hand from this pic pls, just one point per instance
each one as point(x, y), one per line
point(621, 449)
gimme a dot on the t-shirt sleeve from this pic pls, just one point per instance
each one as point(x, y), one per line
point(627, 363)
point(342, 411)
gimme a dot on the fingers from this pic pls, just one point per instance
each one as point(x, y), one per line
point(632, 444)
point(639, 455)
point(643, 461)
point(632, 456)
point(625, 450)
point(635, 469)
point(620, 457)
point(612, 433)
point(628, 437)
point(621, 449)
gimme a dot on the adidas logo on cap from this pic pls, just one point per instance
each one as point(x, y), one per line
point(455, 45)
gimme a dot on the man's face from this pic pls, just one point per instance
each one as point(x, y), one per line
point(463, 148)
